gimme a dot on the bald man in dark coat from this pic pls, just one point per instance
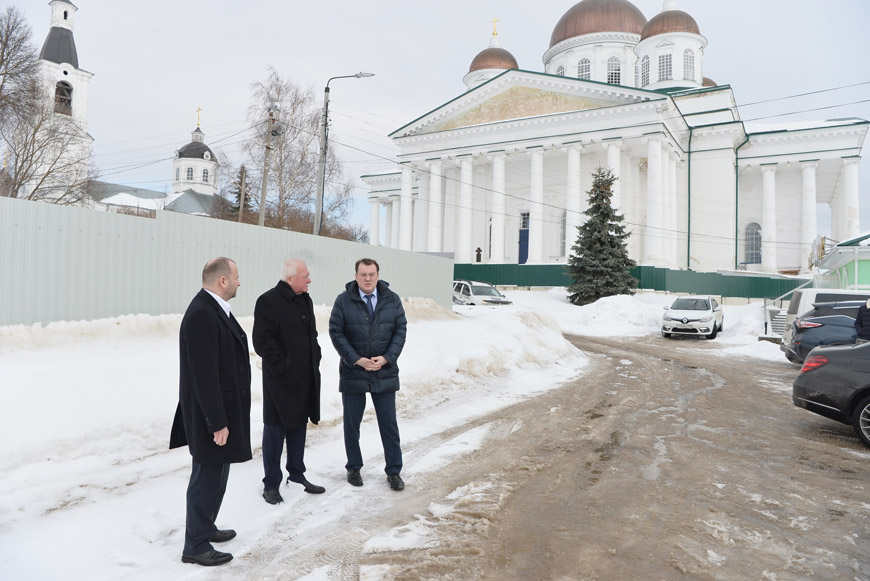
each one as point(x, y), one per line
point(213, 417)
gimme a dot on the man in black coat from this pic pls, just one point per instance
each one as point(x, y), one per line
point(285, 336)
point(213, 417)
point(368, 328)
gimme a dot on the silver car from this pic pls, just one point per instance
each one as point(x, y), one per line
point(693, 316)
point(472, 292)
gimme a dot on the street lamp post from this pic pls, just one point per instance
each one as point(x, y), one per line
point(321, 168)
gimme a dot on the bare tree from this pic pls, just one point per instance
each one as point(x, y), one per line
point(19, 61)
point(294, 154)
point(48, 154)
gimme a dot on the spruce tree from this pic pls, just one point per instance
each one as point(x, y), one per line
point(236, 192)
point(599, 264)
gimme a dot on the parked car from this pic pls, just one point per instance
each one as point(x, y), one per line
point(824, 324)
point(802, 301)
point(693, 316)
point(835, 383)
point(472, 292)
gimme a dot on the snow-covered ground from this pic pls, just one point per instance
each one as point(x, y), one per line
point(90, 491)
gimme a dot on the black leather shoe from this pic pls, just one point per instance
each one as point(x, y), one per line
point(312, 488)
point(208, 559)
point(220, 536)
point(353, 476)
point(272, 496)
point(396, 482)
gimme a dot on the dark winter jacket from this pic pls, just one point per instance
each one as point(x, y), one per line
point(355, 336)
point(862, 321)
point(214, 386)
point(285, 336)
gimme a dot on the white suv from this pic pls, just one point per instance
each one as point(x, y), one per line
point(693, 316)
point(472, 292)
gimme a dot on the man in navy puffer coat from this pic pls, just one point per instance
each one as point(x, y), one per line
point(367, 327)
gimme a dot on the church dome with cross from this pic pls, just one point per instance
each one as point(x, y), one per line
point(489, 62)
point(195, 166)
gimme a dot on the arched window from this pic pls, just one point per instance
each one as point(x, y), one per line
point(665, 73)
point(177, 174)
point(644, 72)
point(584, 70)
point(205, 175)
point(753, 243)
point(560, 70)
point(190, 174)
point(63, 98)
point(614, 67)
point(688, 65)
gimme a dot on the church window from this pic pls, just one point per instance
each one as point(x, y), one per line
point(584, 69)
point(65, 15)
point(614, 66)
point(190, 174)
point(753, 243)
point(524, 220)
point(560, 70)
point(63, 98)
point(644, 72)
point(177, 174)
point(665, 72)
point(688, 65)
point(205, 175)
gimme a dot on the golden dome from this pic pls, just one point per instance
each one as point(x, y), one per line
point(493, 58)
point(709, 83)
point(591, 16)
point(670, 21)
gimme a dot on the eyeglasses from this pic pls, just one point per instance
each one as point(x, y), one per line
point(302, 276)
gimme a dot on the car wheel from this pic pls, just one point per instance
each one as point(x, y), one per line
point(722, 326)
point(715, 332)
point(861, 420)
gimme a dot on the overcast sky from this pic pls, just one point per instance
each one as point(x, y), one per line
point(154, 63)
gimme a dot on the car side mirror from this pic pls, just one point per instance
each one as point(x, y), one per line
point(666, 307)
point(717, 309)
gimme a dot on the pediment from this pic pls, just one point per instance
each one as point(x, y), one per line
point(520, 102)
point(517, 95)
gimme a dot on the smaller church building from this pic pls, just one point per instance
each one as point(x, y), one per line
point(500, 174)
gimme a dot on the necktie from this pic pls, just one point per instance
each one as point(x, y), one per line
point(371, 308)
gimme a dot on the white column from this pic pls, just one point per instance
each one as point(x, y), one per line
point(672, 210)
point(851, 221)
point(808, 212)
point(393, 222)
point(665, 233)
point(614, 163)
point(374, 225)
point(768, 219)
point(406, 215)
point(536, 208)
point(463, 251)
point(573, 217)
point(421, 214)
point(653, 233)
point(436, 208)
point(498, 209)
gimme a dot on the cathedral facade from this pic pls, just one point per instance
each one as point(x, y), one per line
point(500, 173)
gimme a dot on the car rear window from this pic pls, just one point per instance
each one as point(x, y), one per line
point(834, 309)
point(833, 297)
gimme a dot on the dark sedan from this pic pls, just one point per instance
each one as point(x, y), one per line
point(824, 324)
point(835, 382)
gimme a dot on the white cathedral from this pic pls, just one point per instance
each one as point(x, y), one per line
point(500, 173)
point(195, 166)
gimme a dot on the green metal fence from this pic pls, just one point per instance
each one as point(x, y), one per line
point(649, 278)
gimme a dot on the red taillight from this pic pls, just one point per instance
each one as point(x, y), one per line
point(814, 362)
point(801, 324)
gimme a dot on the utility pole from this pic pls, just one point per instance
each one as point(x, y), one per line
point(321, 164)
point(243, 176)
point(262, 221)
